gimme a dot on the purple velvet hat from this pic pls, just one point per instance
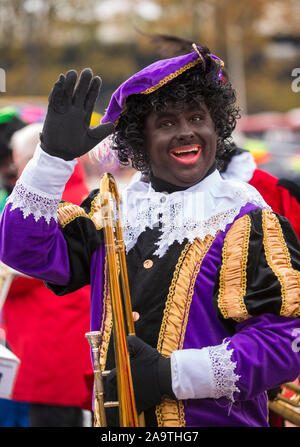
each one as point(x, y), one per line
point(148, 80)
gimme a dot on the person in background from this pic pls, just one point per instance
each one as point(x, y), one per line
point(282, 195)
point(47, 332)
point(10, 122)
point(12, 413)
point(8, 172)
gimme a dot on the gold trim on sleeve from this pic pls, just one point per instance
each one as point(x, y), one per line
point(67, 212)
point(233, 274)
point(170, 413)
point(279, 260)
point(95, 215)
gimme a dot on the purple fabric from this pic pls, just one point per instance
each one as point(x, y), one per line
point(212, 332)
point(262, 349)
point(145, 79)
point(97, 287)
point(262, 346)
point(266, 343)
point(204, 329)
point(37, 249)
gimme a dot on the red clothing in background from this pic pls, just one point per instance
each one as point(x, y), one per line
point(278, 197)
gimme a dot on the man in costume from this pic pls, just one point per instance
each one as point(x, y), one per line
point(282, 195)
point(213, 272)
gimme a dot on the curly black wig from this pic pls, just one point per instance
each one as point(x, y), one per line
point(198, 84)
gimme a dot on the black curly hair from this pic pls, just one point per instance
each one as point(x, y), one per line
point(198, 84)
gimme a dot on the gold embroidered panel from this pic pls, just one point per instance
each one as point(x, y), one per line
point(67, 212)
point(233, 275)
point(279, 260)
point(171, 337)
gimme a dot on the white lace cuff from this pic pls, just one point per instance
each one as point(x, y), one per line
point(204, 373)
point(40, 187)
point(32, 201)
point(224, 377)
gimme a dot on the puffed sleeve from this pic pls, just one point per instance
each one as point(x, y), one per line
point(260, 270)
point(257, 299)
point(41, 238)
point(83, 235)
point(263, 299)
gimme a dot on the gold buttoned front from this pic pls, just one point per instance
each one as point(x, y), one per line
point(148, 264)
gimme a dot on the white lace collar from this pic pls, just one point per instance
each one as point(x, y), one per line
point(241, 167)
point(200, 210)
point(196, 212)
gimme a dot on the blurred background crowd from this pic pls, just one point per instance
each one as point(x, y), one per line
point(259, 41)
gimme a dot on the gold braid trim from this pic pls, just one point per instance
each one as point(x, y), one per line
point(67, 212)
point(233, 275)
point(62, 204)
point(279, 260)
point(161, 83)
point(171, 337)
point(171, 76)
point(95, 214)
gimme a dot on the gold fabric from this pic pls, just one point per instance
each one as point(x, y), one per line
point(233, 275)
point(95, 214)
point(171, 337)
point(67, 212)
point(279, 260)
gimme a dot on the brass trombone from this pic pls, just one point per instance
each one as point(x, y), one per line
point(115, 252)
point(287, 407)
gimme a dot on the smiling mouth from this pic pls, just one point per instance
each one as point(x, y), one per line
point(186, 155)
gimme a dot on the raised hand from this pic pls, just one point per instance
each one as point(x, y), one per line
point(66, 133)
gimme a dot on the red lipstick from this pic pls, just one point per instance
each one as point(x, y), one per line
point(186, 154)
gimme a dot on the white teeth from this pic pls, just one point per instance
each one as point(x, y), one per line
point(193, 149)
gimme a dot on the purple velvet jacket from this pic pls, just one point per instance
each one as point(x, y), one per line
point(240, 287)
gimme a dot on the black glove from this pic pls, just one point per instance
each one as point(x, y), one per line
point(151, 375)
point(66, 133)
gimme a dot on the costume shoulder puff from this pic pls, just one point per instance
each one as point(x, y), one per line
point(260, 270)
point(81, 228)
point(68, 212)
